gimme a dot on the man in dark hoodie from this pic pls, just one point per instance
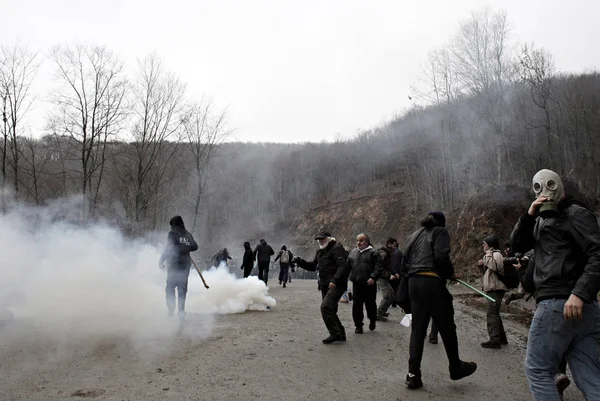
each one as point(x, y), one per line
point(365, 268)
point(330, 261)
point(566, 280)
point(248, 260)
point(427, 265)
point(176, 257)
point(262, 254)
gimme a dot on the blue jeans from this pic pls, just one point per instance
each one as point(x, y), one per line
point(551, 337)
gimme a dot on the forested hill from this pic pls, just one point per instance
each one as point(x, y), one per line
point(485, 114)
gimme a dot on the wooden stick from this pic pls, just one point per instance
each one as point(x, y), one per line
point(201, 276)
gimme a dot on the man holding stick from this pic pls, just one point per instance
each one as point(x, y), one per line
point(176, 257)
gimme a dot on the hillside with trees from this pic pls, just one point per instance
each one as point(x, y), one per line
point(134, 150)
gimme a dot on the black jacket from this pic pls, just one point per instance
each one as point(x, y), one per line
point(364, 265)
point(331, 264)
point(262, 253)
point(396, 262)
point(567, 251)
point(177, 252)
point(248, 260)
point(428, 250)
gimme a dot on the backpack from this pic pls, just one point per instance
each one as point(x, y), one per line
point(510, 278)
point(285, 257)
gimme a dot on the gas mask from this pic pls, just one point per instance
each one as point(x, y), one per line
point(548, 183)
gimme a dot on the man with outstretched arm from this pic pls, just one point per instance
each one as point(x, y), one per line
point(331, 264)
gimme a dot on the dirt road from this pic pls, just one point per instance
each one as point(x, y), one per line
point(275, 355)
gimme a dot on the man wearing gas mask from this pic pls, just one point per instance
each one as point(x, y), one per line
point(566, 239)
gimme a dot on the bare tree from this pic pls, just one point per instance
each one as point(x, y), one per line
point(90, 108)
point(159, 118)
point(205, 130)
point(484, 65)
point(18, 68)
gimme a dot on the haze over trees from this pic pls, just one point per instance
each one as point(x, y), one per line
point(486, 111)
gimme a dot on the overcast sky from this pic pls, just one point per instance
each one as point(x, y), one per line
point(293, 71)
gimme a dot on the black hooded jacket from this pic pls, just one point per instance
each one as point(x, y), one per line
point(428, 250)
point(248, 260)
point(263, 252)
point(177, 251)
point(567, 251)
point(331, 264)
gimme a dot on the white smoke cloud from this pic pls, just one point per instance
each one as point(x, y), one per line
point(72, 282)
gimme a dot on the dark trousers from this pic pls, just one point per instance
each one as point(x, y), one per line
point(329, 307)
point(430, 299)
point(395, 284)
point(247, 270)
point(284, 270)
point(176, 279)
point(494, 321)
point(364, 295)
point(263, 271)
point(433, 334)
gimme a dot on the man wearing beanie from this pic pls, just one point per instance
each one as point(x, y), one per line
point(427, 265)
point(491, 266)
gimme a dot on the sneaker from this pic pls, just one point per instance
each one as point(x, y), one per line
point(413, 381)
point(382, 318)
point(491, 344)
point(331, 339)
point(358, 330)
point(465, 369)
point(561, 381)
point(372, 325)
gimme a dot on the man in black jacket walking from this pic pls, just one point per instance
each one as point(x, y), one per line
point(566, 279)
point(177, 258)
point(248, 260)
point(262, 254)
point(332, 266)
point(427, 265)
point(365, 268)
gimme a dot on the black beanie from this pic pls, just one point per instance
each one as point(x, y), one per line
point(493, 241)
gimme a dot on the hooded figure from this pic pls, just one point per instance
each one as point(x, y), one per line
point(248, 260)
point(176, 257)
point(425, 268)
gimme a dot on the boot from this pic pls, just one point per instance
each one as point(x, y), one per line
point(491, 344)
point(413, 381)
point(465, 369)
point(331, 339)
